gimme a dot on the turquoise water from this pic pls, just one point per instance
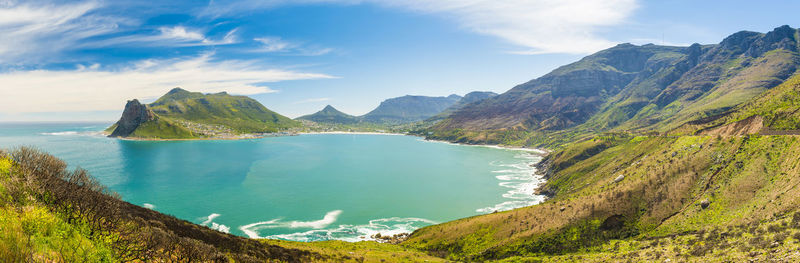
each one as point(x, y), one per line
point(307, 187)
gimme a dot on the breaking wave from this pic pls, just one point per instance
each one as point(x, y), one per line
point(73, 133)
point(521, 178)
point(209, 222)
point(350, 233)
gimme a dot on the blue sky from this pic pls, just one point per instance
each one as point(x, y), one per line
point(81, 60)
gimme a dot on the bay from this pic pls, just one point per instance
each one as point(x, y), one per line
point(305, 188)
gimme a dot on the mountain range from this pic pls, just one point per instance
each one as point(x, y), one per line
point(409, 108)
point(401, 110)
point(632, 88)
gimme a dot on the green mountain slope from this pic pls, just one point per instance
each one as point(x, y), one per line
point(721, 188)
point(409, 109)
point(181, 114)
point(331, 115)
point(631, 88)
point(725, 194)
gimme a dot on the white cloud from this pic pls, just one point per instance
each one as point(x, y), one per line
point(537, 26)
point(36, 31)
point(542, 26)
point(312, 100)
point(273, 44)
point(31, 32)
point(92, 89)
point(276, 44)
point(173, 36)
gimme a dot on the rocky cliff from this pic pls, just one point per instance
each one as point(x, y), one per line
point(134, 115)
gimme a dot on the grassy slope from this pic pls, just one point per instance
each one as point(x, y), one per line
point(162, 128)
point(654, 212)
point(746, 179)
point(240, 113)
point(779, 106)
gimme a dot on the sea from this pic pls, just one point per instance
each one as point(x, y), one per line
point(308, 187)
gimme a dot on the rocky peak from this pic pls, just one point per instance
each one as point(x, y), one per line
point(134, 114)
point(780, 38)
point(739, 41)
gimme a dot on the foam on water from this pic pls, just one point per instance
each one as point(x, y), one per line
point(209, 221)
point(73, 133)
point(329, 218)
point(355, 233)
point(537, 151)
point(60, 133)
point(522, 180)
point(251, 230)
point(149, 206)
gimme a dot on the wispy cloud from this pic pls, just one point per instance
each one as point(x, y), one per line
point(312, 100)
point(31, 32)
point(167, 36)
point(541, 26)
point(537, 26)
point(276, 44)
point(193, 37)
point(92, 89)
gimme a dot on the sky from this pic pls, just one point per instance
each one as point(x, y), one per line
point(82, 60)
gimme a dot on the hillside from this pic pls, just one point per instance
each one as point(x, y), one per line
point(330, 115)
point(645, 88)
point(181, 114)
point(409, 109)
point(469, 98)
point(708, 197)
point(719, 188)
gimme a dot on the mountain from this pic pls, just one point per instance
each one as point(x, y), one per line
point(330, 115)
point(469, 98)
point(714, 189)
point(409, 109)
point(633, 88)
point(181, 114)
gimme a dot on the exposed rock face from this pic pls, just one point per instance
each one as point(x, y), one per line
point(134, 114)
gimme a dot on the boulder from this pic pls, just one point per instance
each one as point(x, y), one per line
point(619, 178)
point(705, 203)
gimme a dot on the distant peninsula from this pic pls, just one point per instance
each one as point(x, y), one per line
point(181, 114)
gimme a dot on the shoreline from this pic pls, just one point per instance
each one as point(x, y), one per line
point(540, 151)
point(357, 133)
